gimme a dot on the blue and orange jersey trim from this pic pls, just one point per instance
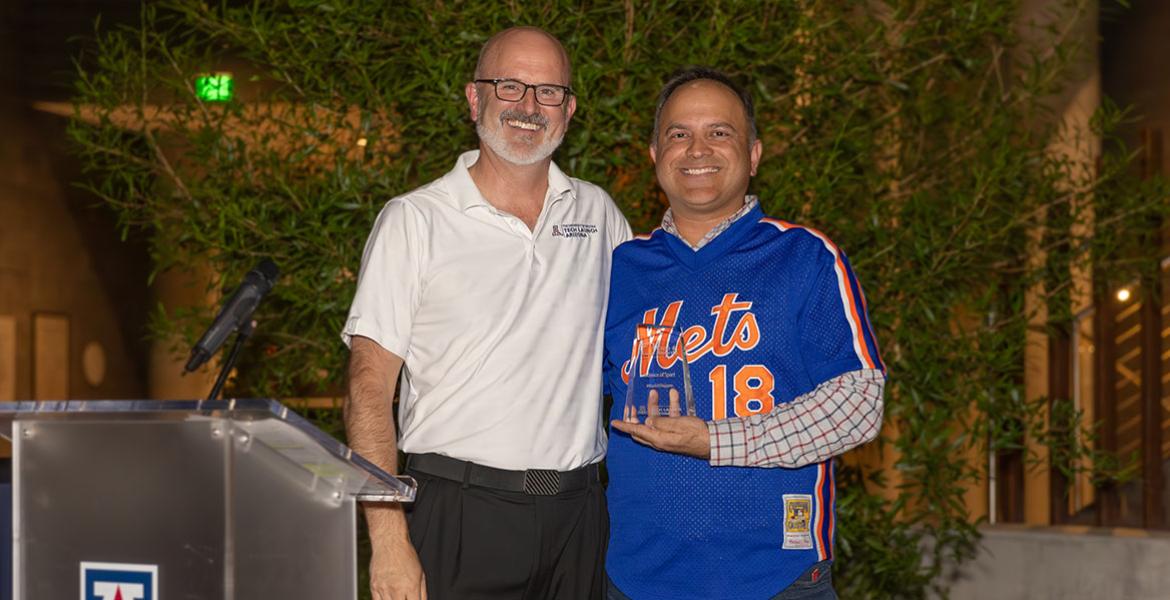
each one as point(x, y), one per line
point(831, 509)
point(824, 525)
point(852, 298)
point(820, 514)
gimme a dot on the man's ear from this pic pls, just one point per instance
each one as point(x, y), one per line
point(472, 99)
point(654, 155)
point(756, 152)
point(572, 108)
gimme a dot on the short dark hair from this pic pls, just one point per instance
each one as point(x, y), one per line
point(689, 74)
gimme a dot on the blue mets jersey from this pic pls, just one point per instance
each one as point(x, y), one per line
point(767, 311)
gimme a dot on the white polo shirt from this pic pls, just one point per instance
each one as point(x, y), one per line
point(500, 327)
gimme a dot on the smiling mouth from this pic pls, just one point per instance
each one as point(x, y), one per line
point(700, 171)
point(522, 125)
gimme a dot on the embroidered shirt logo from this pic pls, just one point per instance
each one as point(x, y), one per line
point(574, 230)
point(118, 581)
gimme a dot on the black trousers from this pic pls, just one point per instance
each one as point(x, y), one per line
point(479, 543)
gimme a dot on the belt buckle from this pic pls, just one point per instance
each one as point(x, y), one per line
point(542, 482)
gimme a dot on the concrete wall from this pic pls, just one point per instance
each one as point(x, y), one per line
point(1022, 563)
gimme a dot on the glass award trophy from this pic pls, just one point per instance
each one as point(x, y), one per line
point(660, 376)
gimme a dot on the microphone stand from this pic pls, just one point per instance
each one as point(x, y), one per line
point(242, 334)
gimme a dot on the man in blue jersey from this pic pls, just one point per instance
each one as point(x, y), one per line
point(738, 501)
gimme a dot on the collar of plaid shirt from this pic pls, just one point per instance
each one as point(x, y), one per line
point(749, 202)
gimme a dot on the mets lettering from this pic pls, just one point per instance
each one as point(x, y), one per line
point(574, 230)
point(697, 342)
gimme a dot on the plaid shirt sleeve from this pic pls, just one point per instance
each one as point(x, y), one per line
point(839, 415)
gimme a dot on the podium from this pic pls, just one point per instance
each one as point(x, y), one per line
point(150, 500)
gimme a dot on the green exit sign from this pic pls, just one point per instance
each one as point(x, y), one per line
point(214, 88)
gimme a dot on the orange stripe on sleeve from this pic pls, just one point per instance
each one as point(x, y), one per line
point(852, 315)
point(857, 320)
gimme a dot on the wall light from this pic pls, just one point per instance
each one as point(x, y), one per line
point(1123, 294)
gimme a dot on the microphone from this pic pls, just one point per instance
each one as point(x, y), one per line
point(234, 313)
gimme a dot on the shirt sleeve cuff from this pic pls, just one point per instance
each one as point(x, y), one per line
point(728, 442)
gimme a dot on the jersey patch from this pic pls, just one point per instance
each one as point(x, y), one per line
point(797, 521)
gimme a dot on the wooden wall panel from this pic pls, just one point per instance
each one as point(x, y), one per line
point(50, 356)
point(7, 358)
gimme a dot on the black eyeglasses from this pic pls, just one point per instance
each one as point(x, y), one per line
point(513, 90)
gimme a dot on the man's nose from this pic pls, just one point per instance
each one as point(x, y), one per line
point(528, 101)
point(698, 147)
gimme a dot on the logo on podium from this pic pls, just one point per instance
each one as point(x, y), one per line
point(118, 581)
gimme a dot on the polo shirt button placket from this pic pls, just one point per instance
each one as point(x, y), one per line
point(533, 258)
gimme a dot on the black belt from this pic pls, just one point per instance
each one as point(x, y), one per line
point(534, 482)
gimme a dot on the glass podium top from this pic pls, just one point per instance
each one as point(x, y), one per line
point(257, 420)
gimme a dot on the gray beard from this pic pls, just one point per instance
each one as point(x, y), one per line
point(494, 138)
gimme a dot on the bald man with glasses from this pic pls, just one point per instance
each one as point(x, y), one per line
point(483, 294)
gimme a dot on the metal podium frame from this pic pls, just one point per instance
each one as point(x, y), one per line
point(232, 499)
